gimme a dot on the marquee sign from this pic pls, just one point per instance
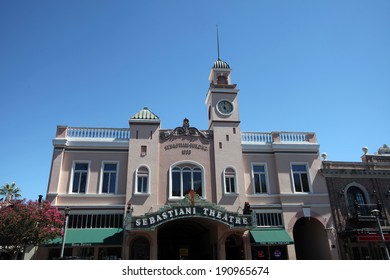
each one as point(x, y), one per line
point(188, 208)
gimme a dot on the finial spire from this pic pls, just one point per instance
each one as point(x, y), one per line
point(218, 43)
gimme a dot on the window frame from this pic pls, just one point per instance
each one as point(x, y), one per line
point(88, 171)
point(263, 164)
point(229, 176)
point(102, 172)
point(307, 172)
point(96, 219)
point(363, 189)
point(181, 166)
point(147, 192)
point(270, 212)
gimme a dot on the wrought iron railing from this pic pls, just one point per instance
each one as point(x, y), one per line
point(364, 211)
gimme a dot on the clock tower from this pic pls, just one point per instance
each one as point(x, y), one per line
point(222, 95)
point(224, 121)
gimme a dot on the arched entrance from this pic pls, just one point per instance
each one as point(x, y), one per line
point(140, 249)
point(192, 239)
point(234, 247)
point(310, 239)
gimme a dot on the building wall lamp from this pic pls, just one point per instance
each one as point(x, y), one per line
point(373, 193)
point(388, 194)
point(376, 213)
point(66, 212)
point(129, 209)
point(341, 193)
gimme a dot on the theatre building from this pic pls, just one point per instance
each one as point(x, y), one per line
point(146, 192)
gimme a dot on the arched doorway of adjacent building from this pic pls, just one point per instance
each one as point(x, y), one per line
point(310, 239)
point(234, 247)
point(192, 239)
point(140, 249)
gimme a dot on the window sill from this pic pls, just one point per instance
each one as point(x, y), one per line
point(141, 194)
point(231, 194)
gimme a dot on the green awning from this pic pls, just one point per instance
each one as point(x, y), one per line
point(266, 236)
point(91, 236)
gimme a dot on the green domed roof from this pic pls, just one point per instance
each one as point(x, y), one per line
point(145, 115)
point(221, 64)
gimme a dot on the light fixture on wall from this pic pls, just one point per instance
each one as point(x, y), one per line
point(377, 214)
point(341, 193)
point(388, 194)
point(373, 193)
point(130, 209)
point(66, 213)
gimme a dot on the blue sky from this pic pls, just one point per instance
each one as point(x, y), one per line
point(308, 65)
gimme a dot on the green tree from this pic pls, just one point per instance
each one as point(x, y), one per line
point(10, 192)
point(28, 223)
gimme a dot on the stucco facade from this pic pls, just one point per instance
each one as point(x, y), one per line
point(146, 192)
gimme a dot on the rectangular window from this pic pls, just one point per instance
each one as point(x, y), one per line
point(142, 184)
point(259, 179)
point(176, 182)
point(229, 182)
point(95, 221)
point(110, 171)
point(269, 219)
point(143, 150)
point(300, 177)
point(80, 177)
point(187, 180)
point(198, 182)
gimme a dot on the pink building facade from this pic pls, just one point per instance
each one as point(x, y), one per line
point(145, 192)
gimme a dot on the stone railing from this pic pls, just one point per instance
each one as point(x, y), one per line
point(93, 133)
point(278, 137)
point(256, 137)
point(124, 134)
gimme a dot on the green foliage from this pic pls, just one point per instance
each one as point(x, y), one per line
point(28, 223)
point(10, 192)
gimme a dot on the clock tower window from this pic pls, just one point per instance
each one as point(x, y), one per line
point(221, 80)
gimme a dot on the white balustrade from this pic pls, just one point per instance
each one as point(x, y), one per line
point(270, 137)
point(111, 133)
point(256, 137)
point(293, 137)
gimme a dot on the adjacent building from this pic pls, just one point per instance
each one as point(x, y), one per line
point(146, 192)
point(360, 199)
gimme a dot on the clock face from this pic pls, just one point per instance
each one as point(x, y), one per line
point(225, 107)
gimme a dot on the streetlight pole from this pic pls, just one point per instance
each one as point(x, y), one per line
point(67, 211)
point(376, 213)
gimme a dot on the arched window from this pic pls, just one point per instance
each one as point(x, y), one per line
point(186, 177)
point(221, 80)
point(142, 180)
point(355, 194)
point(229, 175)
point(357, 201)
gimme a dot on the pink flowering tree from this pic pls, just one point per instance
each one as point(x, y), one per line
point(24, 223)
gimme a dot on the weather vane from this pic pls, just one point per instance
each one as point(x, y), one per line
point(218, 42)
